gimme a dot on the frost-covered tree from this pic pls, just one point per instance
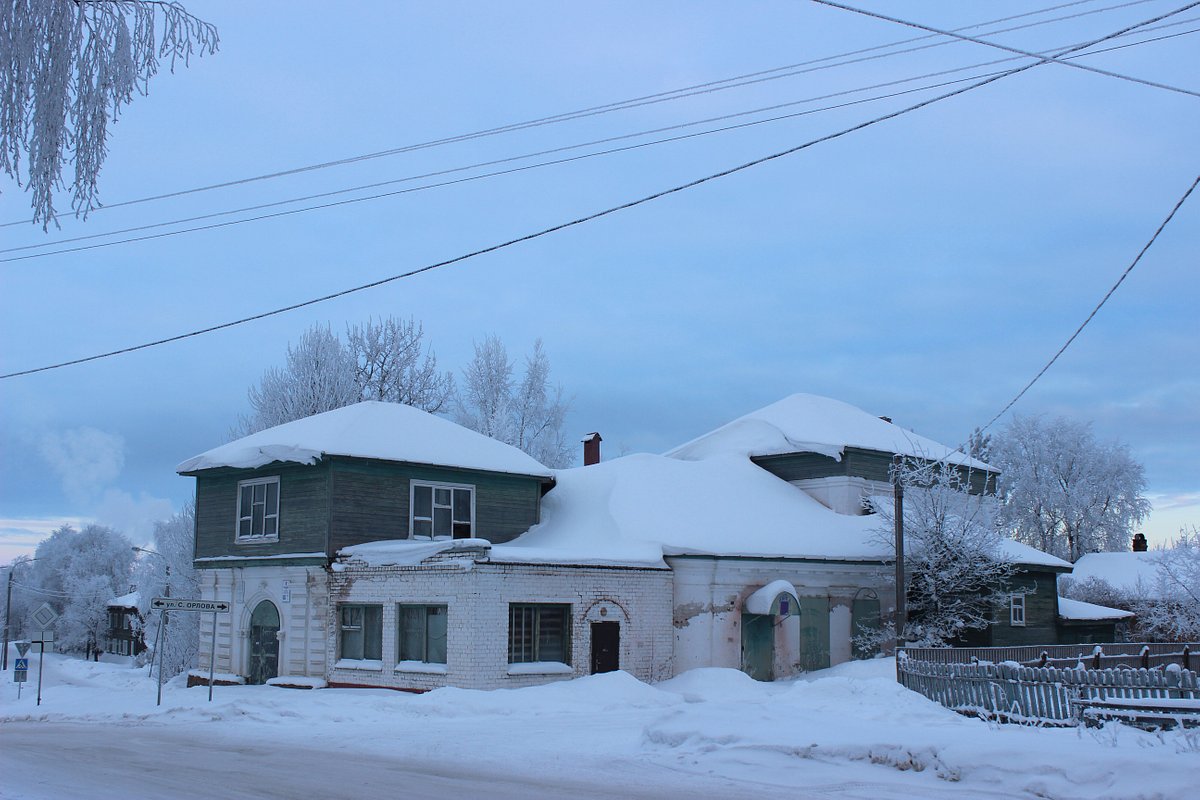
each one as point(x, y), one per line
point(392, 363)
point(487, 383)
point(67, 67)
point(955, 567)
point(385, 360)
point(174, 542)
point(78, 572)
point(528, 414)
point(1064, 492)
point(1170, 611)
point(318, 376)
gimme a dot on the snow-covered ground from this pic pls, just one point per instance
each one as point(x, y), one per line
point(848, 732)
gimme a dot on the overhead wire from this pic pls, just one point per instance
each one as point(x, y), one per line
point(997, 45)
point(554, 162)
point(675, 94)
point(598, 214)
point(1137, 259)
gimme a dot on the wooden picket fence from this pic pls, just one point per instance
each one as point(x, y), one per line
point(1093, 656)
point(1011, 692)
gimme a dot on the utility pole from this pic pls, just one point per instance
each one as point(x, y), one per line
point(8, 609)
point(898, 512)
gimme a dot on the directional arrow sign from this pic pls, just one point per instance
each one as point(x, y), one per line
point(179, 604)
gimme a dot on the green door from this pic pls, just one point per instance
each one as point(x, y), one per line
point(264, 643)
point(814, 633)
point(758, 646)
point(864, 624)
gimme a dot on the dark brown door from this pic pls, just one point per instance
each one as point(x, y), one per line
point(606, 646)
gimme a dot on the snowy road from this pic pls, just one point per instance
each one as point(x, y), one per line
point(850, 733)
point(52, 761)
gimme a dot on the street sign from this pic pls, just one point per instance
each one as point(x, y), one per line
point(21, 671)
point(179, 604)
point(23, 647)
point(45, 615)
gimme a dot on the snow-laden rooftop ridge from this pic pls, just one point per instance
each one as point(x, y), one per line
point(638, 508)
point(808, 423)
point(1077, 609)
point(371, 429)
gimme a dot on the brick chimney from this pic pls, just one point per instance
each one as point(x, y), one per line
point(591, 449)
point(1139, 543)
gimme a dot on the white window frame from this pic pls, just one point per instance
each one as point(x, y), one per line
point(1016, 610)
point(237, 512)
point(444, 613)
point(413, 485)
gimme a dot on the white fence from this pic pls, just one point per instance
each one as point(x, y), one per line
point(1012, 692)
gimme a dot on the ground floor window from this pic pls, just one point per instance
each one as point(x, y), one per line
point(539, 632)
point(361, 632)
point(422, 634)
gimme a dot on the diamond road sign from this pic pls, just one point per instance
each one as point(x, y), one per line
point(45, 615)
point(179, 604)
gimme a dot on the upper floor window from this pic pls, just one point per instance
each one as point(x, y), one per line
point(442, 511)
point(1016, 610)
point(258, 508)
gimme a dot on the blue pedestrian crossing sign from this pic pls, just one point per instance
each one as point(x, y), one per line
point(21, 670)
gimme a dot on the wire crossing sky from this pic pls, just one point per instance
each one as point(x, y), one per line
point(599, 214)
point(921, 269)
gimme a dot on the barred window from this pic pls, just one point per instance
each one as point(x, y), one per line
point(539, 632)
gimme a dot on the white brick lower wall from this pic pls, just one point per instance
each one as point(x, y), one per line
point(477, 596)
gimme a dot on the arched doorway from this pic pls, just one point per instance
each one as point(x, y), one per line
point(264, 643)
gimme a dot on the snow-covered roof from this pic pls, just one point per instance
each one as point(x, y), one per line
point(1020, 553)
point(1079, 610)
point(125, 601)
point(387, 431)
point(1128, 571)
point(808, 423)
point(641, 507)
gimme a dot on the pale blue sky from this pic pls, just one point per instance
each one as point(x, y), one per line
point(925, 268)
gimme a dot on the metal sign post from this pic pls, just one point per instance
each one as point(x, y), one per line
point(44, 617)
point(213, 607)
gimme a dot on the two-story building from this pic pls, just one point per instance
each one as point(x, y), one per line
point(377, 545)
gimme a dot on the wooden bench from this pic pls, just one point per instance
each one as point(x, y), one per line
point(1146, 713)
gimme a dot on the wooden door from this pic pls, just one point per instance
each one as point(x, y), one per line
point(264, 643)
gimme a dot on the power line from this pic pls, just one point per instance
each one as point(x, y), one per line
point(599, 214)
point(1099, 305)
point(739, 81)
point(538, 165)
point(998, 46)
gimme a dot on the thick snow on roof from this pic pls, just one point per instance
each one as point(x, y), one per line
point(1123, 571)
point(1024, 554)
point(125, 601)
point(641, 507)
point(388, 431)
point(808, 423)
point(1077, 609)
